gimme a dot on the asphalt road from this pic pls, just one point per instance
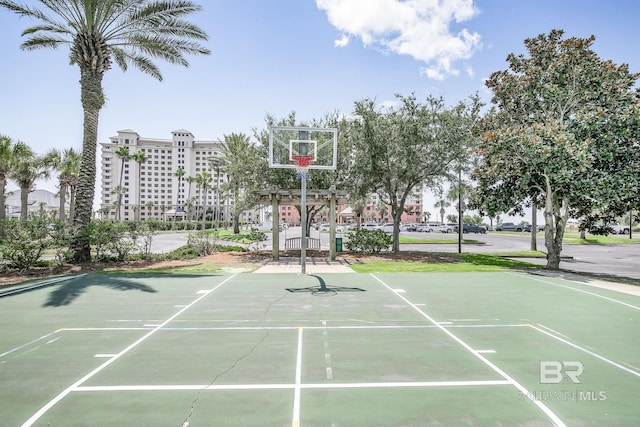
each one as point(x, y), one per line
point(620, 259)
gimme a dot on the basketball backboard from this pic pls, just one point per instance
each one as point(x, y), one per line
point(289, 143)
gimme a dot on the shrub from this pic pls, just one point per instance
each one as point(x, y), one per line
point(201, 242)
point(369, 241)
point(25, 242)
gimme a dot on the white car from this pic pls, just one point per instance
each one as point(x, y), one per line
point(388, 227)
point(326, 227)
point(619, 229)
point(448, 228)
point(428, 227)
point(266, 226)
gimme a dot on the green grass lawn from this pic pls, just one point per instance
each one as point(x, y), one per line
point(574, 239)
point(459, 263)
point(452, 240)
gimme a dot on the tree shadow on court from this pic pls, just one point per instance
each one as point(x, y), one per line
point(70, 290)
point(323, 289)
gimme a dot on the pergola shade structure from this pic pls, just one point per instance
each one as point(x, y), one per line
point(277, 198)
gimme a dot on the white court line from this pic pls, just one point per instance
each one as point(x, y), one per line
point(553, 330)
point(41, 285)
point(554, 418)
point(296, 394)
point(589, 352)
point(35, 417)
point(137, 328)
point(312, 386)
point(291, 328)
point(579, 290)
point(20, 347)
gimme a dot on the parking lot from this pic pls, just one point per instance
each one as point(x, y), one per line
point(616, 259)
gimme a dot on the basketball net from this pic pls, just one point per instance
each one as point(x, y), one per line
point(302, 164)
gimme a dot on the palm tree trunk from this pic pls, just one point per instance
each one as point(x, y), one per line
point(24, 202)
point(3, 211)
point(63, 201)
point(72, 200)
point(92, 101)
point(3, 198)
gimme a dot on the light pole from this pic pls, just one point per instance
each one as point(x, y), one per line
point(460, 210)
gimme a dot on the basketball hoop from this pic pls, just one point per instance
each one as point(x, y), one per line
point(302, 164)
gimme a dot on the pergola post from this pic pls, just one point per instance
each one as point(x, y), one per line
point(275, 229)
point(332, 226)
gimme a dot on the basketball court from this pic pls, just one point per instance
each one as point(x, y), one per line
point(332, 349)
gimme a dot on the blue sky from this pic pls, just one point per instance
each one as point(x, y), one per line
point(307, 56)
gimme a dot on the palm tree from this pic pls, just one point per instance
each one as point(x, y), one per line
point(238, 162)
point(149, 205)
point(442, 203)
point(67, 164)
point(214, 164)
point(179, 173)
point(190, 180)
point(99, 32)
point(139, 157)
point(205, 183)
point(123, 153)
point(26, 169)
point(7, 155)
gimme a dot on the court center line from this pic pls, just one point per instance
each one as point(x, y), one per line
point(297, 390)
point(579, 290)
point(35, 417)
point(589, 352)
point(554, 418)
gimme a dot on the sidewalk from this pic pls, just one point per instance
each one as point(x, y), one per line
point(314, 265)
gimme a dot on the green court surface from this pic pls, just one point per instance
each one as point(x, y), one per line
point(388, 349)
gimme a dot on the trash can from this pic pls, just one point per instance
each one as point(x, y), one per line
point(338, 244)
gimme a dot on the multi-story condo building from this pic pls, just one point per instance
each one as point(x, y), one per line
point(373, 211)
point(151, 187)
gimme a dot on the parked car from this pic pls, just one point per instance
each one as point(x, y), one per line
point(429, 227)
point(266, 226)
point(388, 227)
point(368, 226)
point(619, 229)
point(412, 227)
point(473, 228)
point(449, 227)
point(509, 226)
point(527, 228)
point(326, 227)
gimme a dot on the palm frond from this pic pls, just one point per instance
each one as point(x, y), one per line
point(120, 58)
point(43, 41)
point(123, 58)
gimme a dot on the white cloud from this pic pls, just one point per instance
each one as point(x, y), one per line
point(342, 41)
point(389, 105)
point(418, 28)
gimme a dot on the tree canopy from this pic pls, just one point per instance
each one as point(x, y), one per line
point(563, 133)
point(399, 150)
point(98, 33)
